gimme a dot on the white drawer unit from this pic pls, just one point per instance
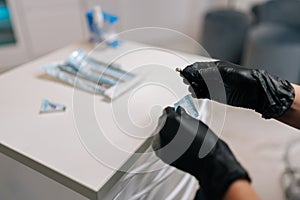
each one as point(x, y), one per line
point(19, 182)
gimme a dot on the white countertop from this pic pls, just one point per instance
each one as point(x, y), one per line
point(69, 146)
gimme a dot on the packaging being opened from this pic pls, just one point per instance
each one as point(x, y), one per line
point(187, 103)
point(93, 76)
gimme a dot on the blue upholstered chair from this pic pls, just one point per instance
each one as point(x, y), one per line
point(273, 43)
point(224, 33)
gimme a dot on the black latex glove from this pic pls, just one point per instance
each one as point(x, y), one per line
point(178, 143)
point(249, 88)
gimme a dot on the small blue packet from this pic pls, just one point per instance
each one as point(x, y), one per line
point(188, 105)
point(48, 106)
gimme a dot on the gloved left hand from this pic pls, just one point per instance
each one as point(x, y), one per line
point(178, 144)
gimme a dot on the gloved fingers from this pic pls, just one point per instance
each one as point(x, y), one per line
point(192, 91)
point(190, 75)
point(167, 128)
point(170, 112)
point(185, 81)
point(210, 74)
point(204, 65)
point(201, 72)
point(162, 125)
point(199, 91)
point(171, 119)
point(156, 142)
point(172, 115)
point(190, 88)
point(168, 118)
point(181, 111)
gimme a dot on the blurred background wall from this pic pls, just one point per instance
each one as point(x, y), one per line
point(43, 26)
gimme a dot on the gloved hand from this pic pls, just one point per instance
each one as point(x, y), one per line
point(178, 143)
point(249, 88)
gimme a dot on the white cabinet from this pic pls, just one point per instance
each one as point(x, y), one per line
point(21, 182)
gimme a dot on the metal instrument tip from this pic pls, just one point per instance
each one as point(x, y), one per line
point(178, 69)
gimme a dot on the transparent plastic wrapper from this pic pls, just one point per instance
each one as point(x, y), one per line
point(189, 106)
point(93, 76)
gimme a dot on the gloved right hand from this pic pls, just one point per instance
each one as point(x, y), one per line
point(179, 142)
point(248, 88)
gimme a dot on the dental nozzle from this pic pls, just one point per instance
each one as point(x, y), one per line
point(178, 69)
